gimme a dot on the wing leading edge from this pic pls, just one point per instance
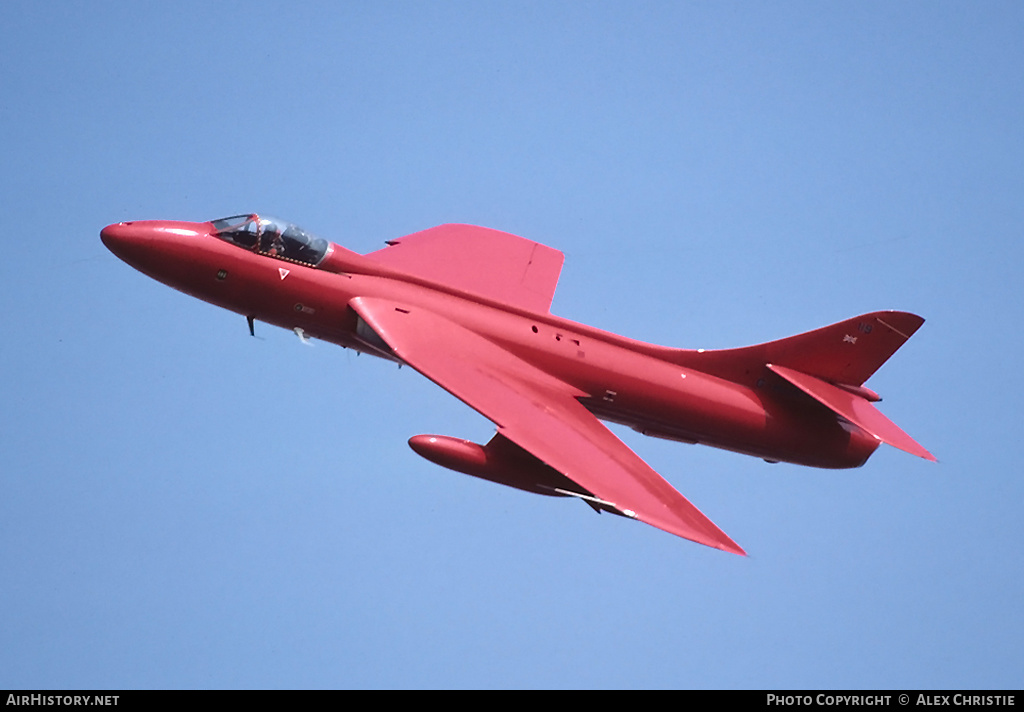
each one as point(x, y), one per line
point(540, 414)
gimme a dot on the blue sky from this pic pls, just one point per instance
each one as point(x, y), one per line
point(184, 506)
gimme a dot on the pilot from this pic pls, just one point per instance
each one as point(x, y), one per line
point(277, 246)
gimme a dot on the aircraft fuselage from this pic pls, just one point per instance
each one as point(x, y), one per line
point(643, 386)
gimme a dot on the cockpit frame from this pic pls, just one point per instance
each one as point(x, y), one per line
point(273, 238)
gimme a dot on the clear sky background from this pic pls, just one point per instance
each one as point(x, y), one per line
point(184, 506)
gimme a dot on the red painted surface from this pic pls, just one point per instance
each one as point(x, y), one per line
point(468, 308)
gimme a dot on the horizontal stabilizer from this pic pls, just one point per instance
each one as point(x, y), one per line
point(853, 408)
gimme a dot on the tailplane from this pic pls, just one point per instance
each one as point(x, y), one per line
point(854, 408)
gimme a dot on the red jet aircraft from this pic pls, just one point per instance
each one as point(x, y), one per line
point(469, 308)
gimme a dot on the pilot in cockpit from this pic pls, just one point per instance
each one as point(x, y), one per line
point(272, 237)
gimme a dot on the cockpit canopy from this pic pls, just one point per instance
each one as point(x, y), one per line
point(270, 236)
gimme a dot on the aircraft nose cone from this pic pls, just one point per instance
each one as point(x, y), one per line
point(116, 237)
point(152, 245)
point(137, 243)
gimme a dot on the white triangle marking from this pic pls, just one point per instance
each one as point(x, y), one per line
point(283, 272)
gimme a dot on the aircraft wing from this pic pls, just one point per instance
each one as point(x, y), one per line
point(496, 265)
point(539, 413)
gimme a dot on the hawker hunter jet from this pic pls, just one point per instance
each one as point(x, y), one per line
point(469, 308)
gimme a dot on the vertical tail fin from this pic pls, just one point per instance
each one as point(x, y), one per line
point(846, 353)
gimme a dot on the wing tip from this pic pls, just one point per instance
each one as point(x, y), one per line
point(731, 547)
point(711, 536)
